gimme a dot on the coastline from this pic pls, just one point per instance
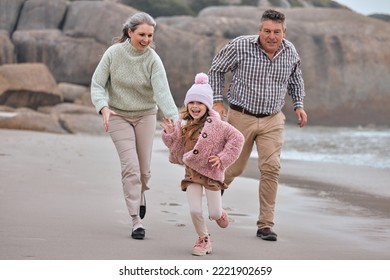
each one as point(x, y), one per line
point(364, 187)
point(61, 199)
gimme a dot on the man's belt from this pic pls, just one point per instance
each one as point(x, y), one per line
point(246, 112)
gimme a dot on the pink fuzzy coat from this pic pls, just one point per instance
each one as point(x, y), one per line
point(217, 138)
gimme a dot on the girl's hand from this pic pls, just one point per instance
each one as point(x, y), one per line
point(168, 125)
point(215, 161)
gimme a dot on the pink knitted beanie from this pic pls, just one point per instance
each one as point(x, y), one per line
point(200, 91)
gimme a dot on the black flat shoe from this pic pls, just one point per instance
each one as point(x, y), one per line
point(142, 209)
point(138, 233)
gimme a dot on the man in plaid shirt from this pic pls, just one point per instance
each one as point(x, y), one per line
point(265, 67)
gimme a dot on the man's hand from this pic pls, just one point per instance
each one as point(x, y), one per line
point(220, 108)
point(301, 116)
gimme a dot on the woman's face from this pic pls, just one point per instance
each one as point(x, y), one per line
point(196, 109)
point(142, 36)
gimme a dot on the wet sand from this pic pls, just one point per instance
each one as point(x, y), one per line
point(359, 186)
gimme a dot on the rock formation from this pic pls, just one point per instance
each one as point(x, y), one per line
point(49, 50)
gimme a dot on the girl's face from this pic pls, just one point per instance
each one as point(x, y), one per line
point(196, 109)
point(142, 36)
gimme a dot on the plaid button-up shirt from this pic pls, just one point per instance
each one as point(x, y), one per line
point(259, 84)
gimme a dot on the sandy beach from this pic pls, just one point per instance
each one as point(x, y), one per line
point(61, 199)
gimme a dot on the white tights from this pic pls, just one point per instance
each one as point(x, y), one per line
point(214, 205)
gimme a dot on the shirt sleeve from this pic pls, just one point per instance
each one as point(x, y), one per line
point(223, 62)
point(296, 86)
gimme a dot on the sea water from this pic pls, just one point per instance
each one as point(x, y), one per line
point(353, 146)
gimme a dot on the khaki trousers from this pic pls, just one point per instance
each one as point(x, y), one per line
point(268, 135)
point(133, 140)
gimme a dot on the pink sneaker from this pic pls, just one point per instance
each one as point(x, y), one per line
point(202, 246)
point(223, 222)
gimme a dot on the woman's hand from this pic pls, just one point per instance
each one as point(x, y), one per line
point(106, 113)
point(168, 125)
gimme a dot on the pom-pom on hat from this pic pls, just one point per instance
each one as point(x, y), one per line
point(200, 91)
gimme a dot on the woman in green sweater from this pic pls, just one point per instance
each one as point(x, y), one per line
point(127, 88)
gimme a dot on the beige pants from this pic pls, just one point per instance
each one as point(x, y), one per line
point(214, 205)
point(268, 135)
point(133, 139)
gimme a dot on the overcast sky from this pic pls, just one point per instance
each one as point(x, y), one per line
point(367, 7)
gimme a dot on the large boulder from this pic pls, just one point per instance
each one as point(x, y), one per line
point(28, 85)
point(7, 49)
point(69, 59)
point(62, 118)
point(28, 119)
point(221, 26)
point(75, 94)
point(346, 73)
point(192, 54)
point(9, 13)
point(99, 20)
point(75, 118)
point(42, 14)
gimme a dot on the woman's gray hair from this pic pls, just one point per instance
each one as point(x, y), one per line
point(137, 19)
point(132, 23)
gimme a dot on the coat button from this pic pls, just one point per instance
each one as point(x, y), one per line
point(196, 152)
point(204, 135)
point(209, 120)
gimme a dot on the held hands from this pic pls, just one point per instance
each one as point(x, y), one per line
point(302, 117)
point(168, 125)
point(215, 161)
point(106, 113)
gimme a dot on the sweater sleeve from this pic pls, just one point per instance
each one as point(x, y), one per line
point(99, 94)
point(175, 144)
point(162, 91)
point(223, 62)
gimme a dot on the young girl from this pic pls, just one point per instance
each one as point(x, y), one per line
point(206, 145)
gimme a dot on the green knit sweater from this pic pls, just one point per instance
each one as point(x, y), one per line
point(132, 83)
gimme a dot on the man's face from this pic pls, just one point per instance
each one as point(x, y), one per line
point(271, 35)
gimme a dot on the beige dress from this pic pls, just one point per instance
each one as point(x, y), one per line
point(192, 176)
